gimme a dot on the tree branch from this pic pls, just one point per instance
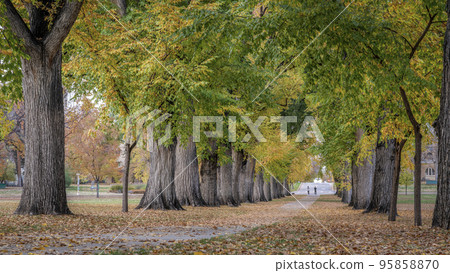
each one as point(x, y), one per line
point(62, 25)
point(408, 109)
point(18, 26)
point(427, 28)
point(395, 32)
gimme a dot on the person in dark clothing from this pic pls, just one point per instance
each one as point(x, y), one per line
point(315, 190)
point(308, 189)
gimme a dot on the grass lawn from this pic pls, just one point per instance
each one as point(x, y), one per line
point(409, 199)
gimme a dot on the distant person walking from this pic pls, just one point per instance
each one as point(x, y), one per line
point(308, 189)
point(315, 190)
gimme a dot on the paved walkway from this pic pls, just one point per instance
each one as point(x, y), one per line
point(303, 203)
point(322, 189)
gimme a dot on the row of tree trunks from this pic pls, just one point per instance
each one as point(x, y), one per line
point(441, 216)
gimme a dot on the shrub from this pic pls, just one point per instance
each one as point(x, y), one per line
point(116, 188)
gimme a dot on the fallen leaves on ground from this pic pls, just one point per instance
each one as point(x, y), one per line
point(270, 229)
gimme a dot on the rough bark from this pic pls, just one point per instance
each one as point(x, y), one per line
point(44, 189)
point(286, 188)
point(268, 190)
point(235, 172)
point(226, 177)
point(441, 215)
point(249, 180)
point(256, 190)
point(219, 186)
point(384, 174)
point(273, 188)
point(395, 181)
point(208, 176)
point(243, 190)
point(362, 179)
point(260, 184)
point(121, 6)
point(160, 191)
point(187, 180)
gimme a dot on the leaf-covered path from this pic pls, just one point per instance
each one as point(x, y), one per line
point(95, 224)
point(281, 226)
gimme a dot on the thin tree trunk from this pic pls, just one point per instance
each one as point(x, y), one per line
point(126, 173)
point(441, 215)
point(396, 179)
point(384, 174)
point(187, 180)
point(160, 191)
point(236, 171)
point(208, 174)
point(19, 169)
point(417, 158)
point(417, 177)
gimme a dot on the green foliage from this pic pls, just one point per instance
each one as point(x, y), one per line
point(8, 172)
point(116, 188)
point(406, 178)
point(68, 177)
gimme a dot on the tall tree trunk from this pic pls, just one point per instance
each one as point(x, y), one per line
point(160, 191)
point(256, 190)
point(268, 190)
point(248, 179)
point(395, 181)
point(187, 181)
point(236, 171)
point(226, 177)
point(273, 188)
point(417, 159)
point(384, 174)
point(260, 183)
point(208, 174)
point(441, 215)
point(44, 188)
point(362, 179)
point(286, 188)
point(126, 173)
point(219, 186)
